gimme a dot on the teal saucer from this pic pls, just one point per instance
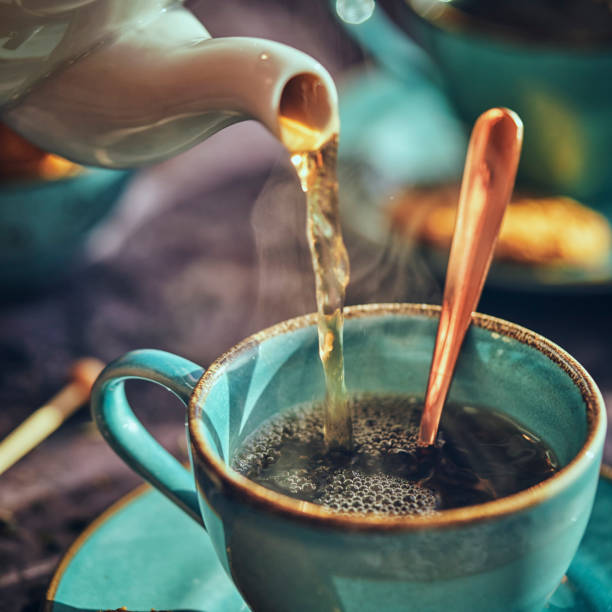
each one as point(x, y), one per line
point(144, 553)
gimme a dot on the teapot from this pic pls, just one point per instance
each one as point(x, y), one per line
point(121, 84)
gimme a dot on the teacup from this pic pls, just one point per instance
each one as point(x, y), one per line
point(284, 554)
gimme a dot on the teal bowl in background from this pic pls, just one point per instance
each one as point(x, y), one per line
point(563, 92)
point(43, 224)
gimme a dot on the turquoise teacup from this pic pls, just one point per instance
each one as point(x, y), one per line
point(286, 555)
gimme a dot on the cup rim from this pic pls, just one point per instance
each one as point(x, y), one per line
point(251, 493)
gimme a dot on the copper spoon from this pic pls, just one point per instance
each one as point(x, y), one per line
point(488, 179)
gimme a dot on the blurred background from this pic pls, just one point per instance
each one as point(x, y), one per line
point(193, 254)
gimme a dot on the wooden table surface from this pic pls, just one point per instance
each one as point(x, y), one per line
point(204, 250)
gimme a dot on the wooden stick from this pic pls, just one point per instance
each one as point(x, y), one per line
point(49, 417)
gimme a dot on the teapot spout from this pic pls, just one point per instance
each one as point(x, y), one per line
point(156, 91)
point(288, 91)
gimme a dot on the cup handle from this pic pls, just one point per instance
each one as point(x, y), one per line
point(125, 433)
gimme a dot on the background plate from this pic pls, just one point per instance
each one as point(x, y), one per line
point(396, 134)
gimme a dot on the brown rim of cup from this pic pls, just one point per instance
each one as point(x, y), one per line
point(241, 488)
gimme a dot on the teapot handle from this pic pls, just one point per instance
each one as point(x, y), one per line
point(128, 437)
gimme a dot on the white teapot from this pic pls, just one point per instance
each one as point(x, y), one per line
point(121, 83)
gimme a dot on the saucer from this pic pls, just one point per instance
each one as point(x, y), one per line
point(399, 133)
point(142, 553)
point(145, 553)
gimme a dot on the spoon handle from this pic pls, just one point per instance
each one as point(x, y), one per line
point(488, 179)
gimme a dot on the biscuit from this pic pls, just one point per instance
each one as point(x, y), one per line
point(535, 230)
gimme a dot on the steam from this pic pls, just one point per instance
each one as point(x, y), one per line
point(391, 272)
point(384, 267)
point(285, 277)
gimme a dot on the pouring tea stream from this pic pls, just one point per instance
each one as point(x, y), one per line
point(488, 179)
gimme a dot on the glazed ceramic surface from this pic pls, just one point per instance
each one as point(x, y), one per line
point(43, 223)
point(289, 555)
point(561, 93)
point(121, 84)
point(562, 96)
point(144, 553)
